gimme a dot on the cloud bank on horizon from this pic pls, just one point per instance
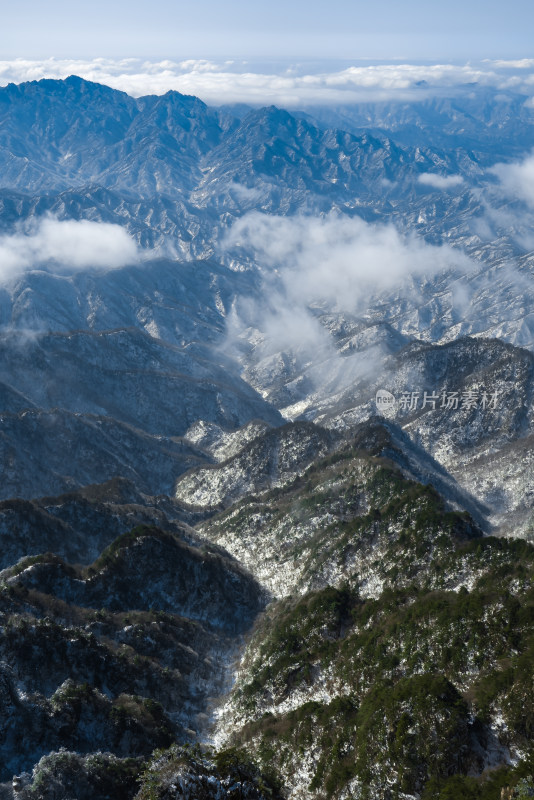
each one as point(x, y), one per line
point(219, 83)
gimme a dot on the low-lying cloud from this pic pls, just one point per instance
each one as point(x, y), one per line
point(313, 266)
point(517, 179)
point(218, 83)
point(339, 260)
point(65, 246)
point(440, 181)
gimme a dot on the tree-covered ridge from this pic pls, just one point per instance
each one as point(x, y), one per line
point(350, 516)
point(396, 663)
point(399, 694)
point(120, 656)
point(188, 772)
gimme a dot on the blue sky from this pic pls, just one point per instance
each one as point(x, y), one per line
point(277, 29)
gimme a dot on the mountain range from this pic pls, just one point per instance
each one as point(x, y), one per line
point(226, 569)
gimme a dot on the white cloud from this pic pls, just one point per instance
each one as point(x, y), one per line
point(316, 264)
point(337, 259)
point(440, 181)
point(518, 63)
point(240, 81)
point(517, 179)
point(65, 246)
point(245, 193)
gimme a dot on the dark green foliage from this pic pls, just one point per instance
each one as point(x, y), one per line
point(423, 723)
point(516, 783)
point(209, 775)
point(417, 666)
point(124, 541)
point(411, 677)
point(93, 777)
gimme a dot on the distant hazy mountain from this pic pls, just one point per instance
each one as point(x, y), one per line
point(475, 120)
